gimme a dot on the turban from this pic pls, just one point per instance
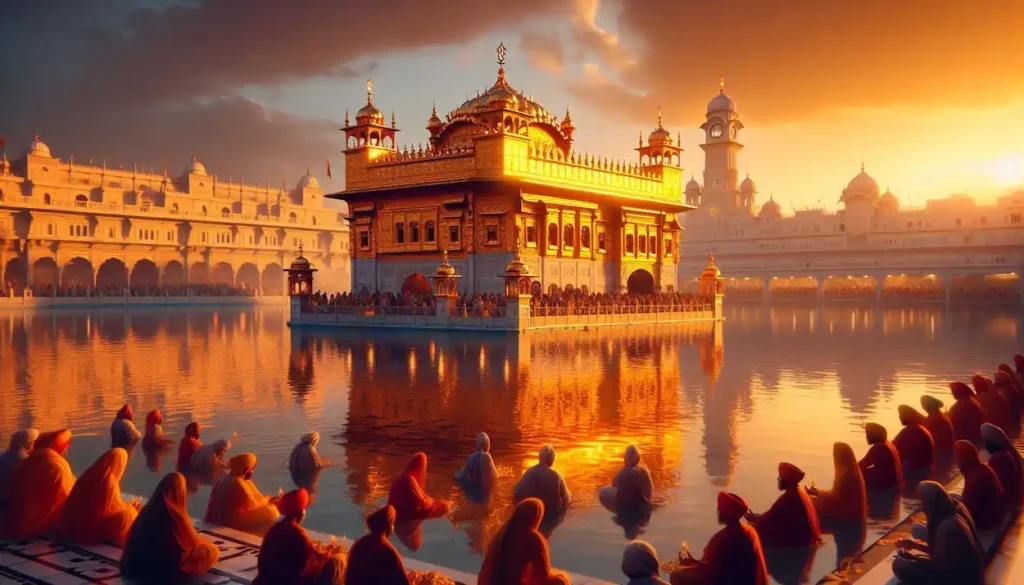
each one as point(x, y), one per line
point(192, 430)
point(310, 438)
point(875, 432)
point(294, 502)
point(790, 473)
point(931, 404)
point(961, 390)
point(966, 455)
point(1002, 379)
point(125, 412)
point(640, 560)
point(981, 383)
point(910, 415)
point(59, 441)
point(154, 418)
point(1007, 369)
point(995, 435)
point(241, 463)
point(731, 506)
point(381, 520)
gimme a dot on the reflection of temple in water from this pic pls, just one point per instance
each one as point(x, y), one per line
point(589, 394)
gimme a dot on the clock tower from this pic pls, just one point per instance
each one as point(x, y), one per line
point(721, 176)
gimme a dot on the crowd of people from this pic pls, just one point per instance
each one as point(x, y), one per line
point(577, 302)
point(849, 290)
point(1000, 294)
point(164, 290)
point(913, 292)
point(39, 494)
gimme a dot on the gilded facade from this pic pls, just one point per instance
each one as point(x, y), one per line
point(70, 224)
point(500, 171)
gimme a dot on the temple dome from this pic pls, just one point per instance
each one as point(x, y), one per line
point(659, 136)
point(863, 185)
point(194, 167)
point(771, 209)
point(369, 114)
point(692, 186)
point(721, 103)
point(39, 148)
point(748, 186)
point(308, 181)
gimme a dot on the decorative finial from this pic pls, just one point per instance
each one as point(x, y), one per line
point(393, 120)
point(300, 249)
point(369, 90)
point(721, 85)
point(679, 139)
point(307, 168)
point(659, 117)
point(346, 117)
point(193, 155)
point(433, 110)
point(862, 164)
point(502, 51)
point(641, 139)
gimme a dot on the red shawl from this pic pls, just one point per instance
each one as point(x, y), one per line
point(983, 496)
point(407, 496)
point(288, 556)
point(791, 521)
point(914, 443)
point(881, 467)
point(734, 555)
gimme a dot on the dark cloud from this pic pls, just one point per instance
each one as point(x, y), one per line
point(134, 79)
point(788, 60)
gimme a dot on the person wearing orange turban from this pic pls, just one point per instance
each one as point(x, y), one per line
point(983, 494)
point(1006, 462)
point(966, 413)
point(163, 545)
point(188, 447)
point(408, 495)
point(122, 431)
point(994, 407)
point(881, 465)
point(372, 560)
point(519, 553)
point(792, 519)
point(237, 503)
point(733, 555)
point(38, 488)
point(287, 555)
point(848, 498)
point(938, 424)
point(914, 443)
point(95, 512)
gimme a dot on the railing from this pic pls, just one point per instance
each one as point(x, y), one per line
point(573, 311)
point(362, 311)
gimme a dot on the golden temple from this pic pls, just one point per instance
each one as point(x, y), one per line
point(498, 169)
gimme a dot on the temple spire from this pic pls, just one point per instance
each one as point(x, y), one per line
point(369, 90)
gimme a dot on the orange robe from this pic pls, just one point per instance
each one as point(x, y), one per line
point(791, 521)
point(914, 444)
point(848, 498)
point(881, 467)
point(35, 499)
point(518, 554)
point(994, 407)
point(1007, 467)
point(372, 560)
point(237, 503)
point(967, 418)
point(163, 544)
point(983, 496)
point(941, 430)
point(186, 449)
point(95, 512)
point(408, 497)
point(288, 556)
point(733, 555)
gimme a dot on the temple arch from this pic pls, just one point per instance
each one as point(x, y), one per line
point(112, 274)
point(44, 272)
point(416, 284)
point(14, 273)
point(248, 276)
point(223, 273)
point(199, 273)
point(174, 273)
point(145, 273)
point(272, 279)
point(77, 272)
point(640, 282)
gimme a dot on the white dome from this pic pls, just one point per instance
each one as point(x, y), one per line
point(308, 180)
point(748, 186)
point(771, 209)
point(39, 148)
point(721, 103)
point(863, 185)
point(692, 186)
point(194, 167)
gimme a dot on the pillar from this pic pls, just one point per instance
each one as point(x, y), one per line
point(820, 286)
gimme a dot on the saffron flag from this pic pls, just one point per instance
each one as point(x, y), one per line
point(329, 168)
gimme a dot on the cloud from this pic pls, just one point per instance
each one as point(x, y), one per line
point(543, 51)
point(785, 61)
point(109, 76)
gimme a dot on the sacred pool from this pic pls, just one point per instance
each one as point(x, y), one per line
point(711, 405)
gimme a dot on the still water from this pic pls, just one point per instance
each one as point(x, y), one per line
point(710, 407)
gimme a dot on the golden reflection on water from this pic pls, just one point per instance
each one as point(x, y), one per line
point(796, 379)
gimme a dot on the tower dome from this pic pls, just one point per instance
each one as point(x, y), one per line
point(861, 186)
point(692, 186)
point(38, 147)
point(434, 122)
point(308, 181)
point(721, 103)
point(660, 136)
point(748, 186)
point(369, 114)
point(194, 167)
point(888, 203)
point(771, 209)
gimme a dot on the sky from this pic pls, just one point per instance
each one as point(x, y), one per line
point(929, 94)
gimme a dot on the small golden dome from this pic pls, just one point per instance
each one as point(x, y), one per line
point(445, 268)
point(711, 271)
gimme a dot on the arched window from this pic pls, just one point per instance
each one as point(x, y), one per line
point(652, 243)
point(204, 210)
point(553, 235)
point(568, 237)
point(174, 208)
point(81, 200)
point(400, 233)
point(225, 212)
point(430, 231)
point(292, 218)
point(313, 219)
point(629, 243)
point(585, 237)
point(46, 199)
point(642, 243)
point(414, 232)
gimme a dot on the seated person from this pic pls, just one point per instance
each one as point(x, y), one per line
point(237, 503)
point(952, 555)
point(372, 560)
point(94, 511)
point(983, 495)
point(518, 553)
point(544, 483)
point(408, 495)
point(965, 414)
point(155, 437)
point(479, 468)
point(38, 488)
point(938, 424)
point(792, 519)
point(304, 463)
point(733, 555)
point(1006, 462)
point(20, 447)
point(632, 487)
point(163, 546)
point(881, 465)
point(188, 447)
point(122, 431)
point(914, 443)
point(208, 464)
point(640, 564)
point(289, 556)
point(848, 498)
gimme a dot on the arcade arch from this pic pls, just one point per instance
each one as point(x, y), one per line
point(640, 282)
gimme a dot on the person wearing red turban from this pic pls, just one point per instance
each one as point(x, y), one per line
point(155, 437)
point(983, 495)
point(408, 495)
point(792, 519)
point(914, 443)
point(372, 560)
point(1008, 384)
point(1006, 462)
point(188, 447)
point(881, 465)
point(38, 488)
point(122, 431)
point(1018, 363)
point(966, 413)
point(733, 555)
point(287, 554)
point(519, 553)
point(994, 407)
point(938, 424)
